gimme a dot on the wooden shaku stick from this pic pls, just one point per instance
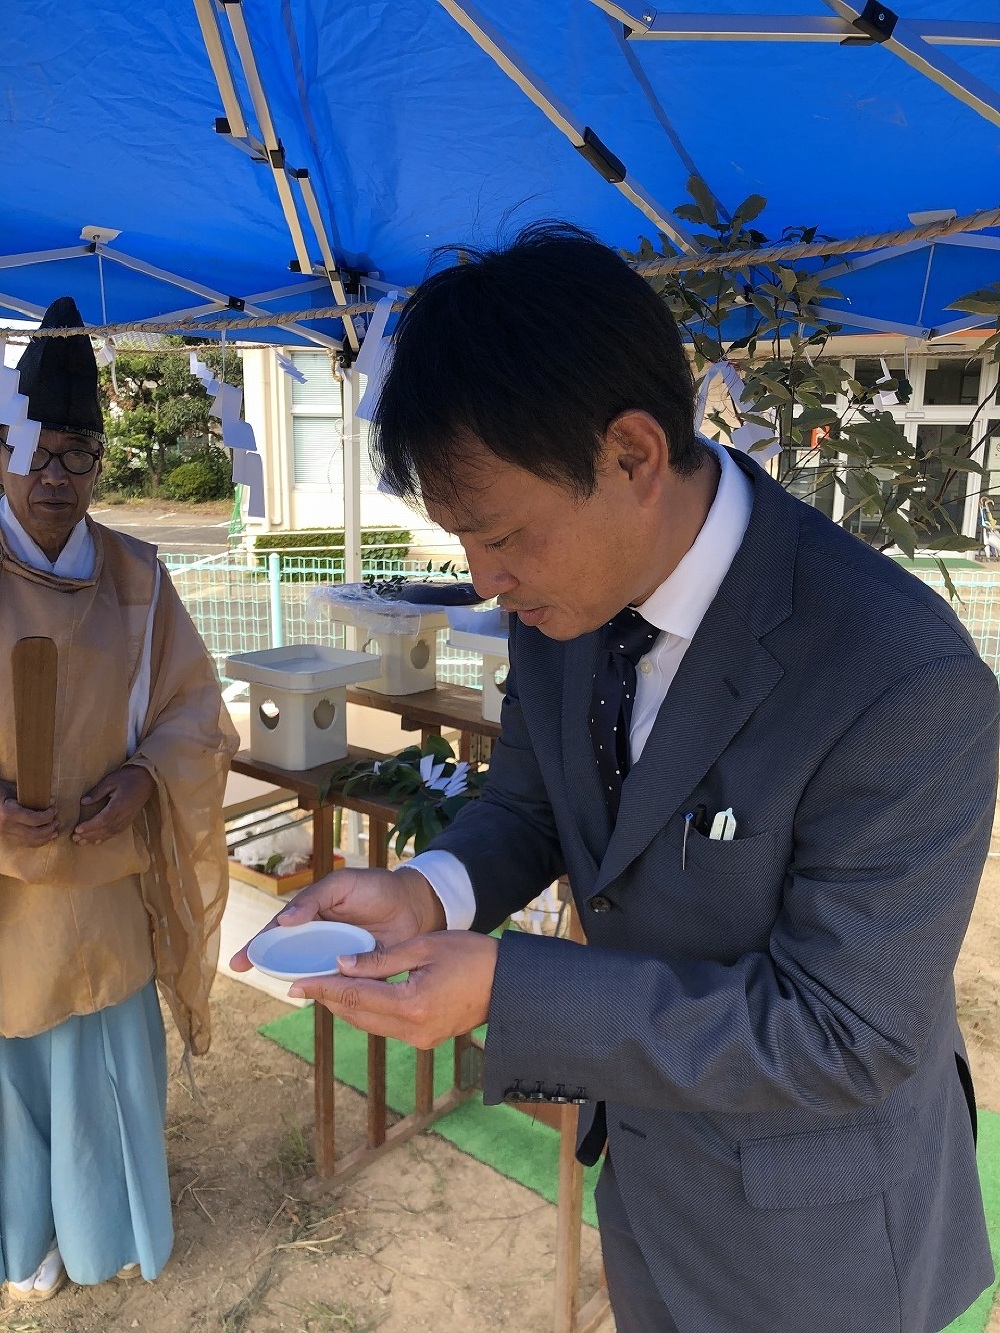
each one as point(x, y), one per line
point(34, 668)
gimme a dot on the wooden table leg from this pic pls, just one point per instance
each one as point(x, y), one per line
point(568, 1220)
point(378, 859)
point(376, 1091)
point(424, 1099)
point(460, 1076)
point(324, 1147)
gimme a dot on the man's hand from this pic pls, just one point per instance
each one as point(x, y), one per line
point(446, 993)
point(23, 827)
point(393, 905)
point(126, 790)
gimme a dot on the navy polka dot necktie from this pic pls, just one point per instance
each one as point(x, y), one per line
point(624, 640)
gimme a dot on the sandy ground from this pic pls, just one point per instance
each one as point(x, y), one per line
point(426, 1238)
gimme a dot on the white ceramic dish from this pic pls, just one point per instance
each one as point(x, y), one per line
point(290, 953)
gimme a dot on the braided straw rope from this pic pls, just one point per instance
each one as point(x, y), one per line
point(732, 259)
point(771, 253)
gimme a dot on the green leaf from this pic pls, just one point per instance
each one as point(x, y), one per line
point(438, 747)
point(945, 573)
point(814, 417)
point(902, 533)
point(710, 348)
point(752, 206)
point(984, 301)
point(702, 196)
point(959, 463)
point(787, 278)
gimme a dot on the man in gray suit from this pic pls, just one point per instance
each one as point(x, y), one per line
point(766, 758)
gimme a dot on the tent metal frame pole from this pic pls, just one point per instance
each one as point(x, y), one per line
point(219, 60)
point(304, 182)
point(848, 317)
point(912, 41)
point(631, 57)
point(22, 307)
point(870, 260)
point(350, 391)
point(909, 44)
point(378, 285)
point(192, 312)
point(489, 40)
point(970, 241)
point(271, 150)
point(669, 27)
point(272, 144)
point(968, 323)
point(295, 289)
point(213, 298)
point(44, 256)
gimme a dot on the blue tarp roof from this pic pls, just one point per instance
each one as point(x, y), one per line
point(414, 137)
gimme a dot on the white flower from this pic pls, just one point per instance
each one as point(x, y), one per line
point(457, 783)
point(430, 773)
point(434, 777)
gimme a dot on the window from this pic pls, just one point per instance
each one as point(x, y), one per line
point(991, 479)
point(868, 371)
point(944, 485)
point(317, 423)
point(318, 444)
point(952, 383)
point(807, 474)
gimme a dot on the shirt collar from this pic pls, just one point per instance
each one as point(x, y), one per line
point(679, 604)
point(74, 561)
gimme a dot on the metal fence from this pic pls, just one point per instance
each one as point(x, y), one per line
point(241, 602)
point(977, 606)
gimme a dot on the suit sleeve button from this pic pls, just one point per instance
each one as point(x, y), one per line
point(600, 904)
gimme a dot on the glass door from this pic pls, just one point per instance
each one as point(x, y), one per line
point(946, 487)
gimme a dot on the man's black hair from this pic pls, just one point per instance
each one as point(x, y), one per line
point(533, 349)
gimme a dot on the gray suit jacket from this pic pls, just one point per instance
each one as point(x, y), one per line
point(771, 1026)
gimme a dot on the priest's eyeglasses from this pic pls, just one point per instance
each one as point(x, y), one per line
point(76, 461)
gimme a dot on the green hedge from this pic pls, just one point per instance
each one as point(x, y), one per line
point(208, 477)
point(379, 543)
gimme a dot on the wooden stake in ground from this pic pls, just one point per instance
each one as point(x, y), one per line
point(34, 667)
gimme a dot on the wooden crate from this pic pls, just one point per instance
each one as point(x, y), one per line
point(279, 885)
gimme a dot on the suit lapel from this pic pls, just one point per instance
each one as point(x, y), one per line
point(718, 687)
point(726, 674)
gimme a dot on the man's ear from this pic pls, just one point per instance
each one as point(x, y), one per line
point(639, 447)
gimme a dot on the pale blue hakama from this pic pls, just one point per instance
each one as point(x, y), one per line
point(82, 1152)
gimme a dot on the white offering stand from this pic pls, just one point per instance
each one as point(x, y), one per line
point(405, 644)
point(496, 664)
point(298, 701)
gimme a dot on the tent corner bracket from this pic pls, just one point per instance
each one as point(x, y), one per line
point(601, 158)
point(876, 24)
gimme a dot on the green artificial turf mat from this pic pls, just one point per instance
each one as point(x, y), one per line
point(527, 1151)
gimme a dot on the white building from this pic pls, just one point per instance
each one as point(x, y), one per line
point(300, 430)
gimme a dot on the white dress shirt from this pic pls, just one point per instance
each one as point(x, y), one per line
point(676, 608)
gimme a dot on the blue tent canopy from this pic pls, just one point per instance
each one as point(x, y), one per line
point(225, 142)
